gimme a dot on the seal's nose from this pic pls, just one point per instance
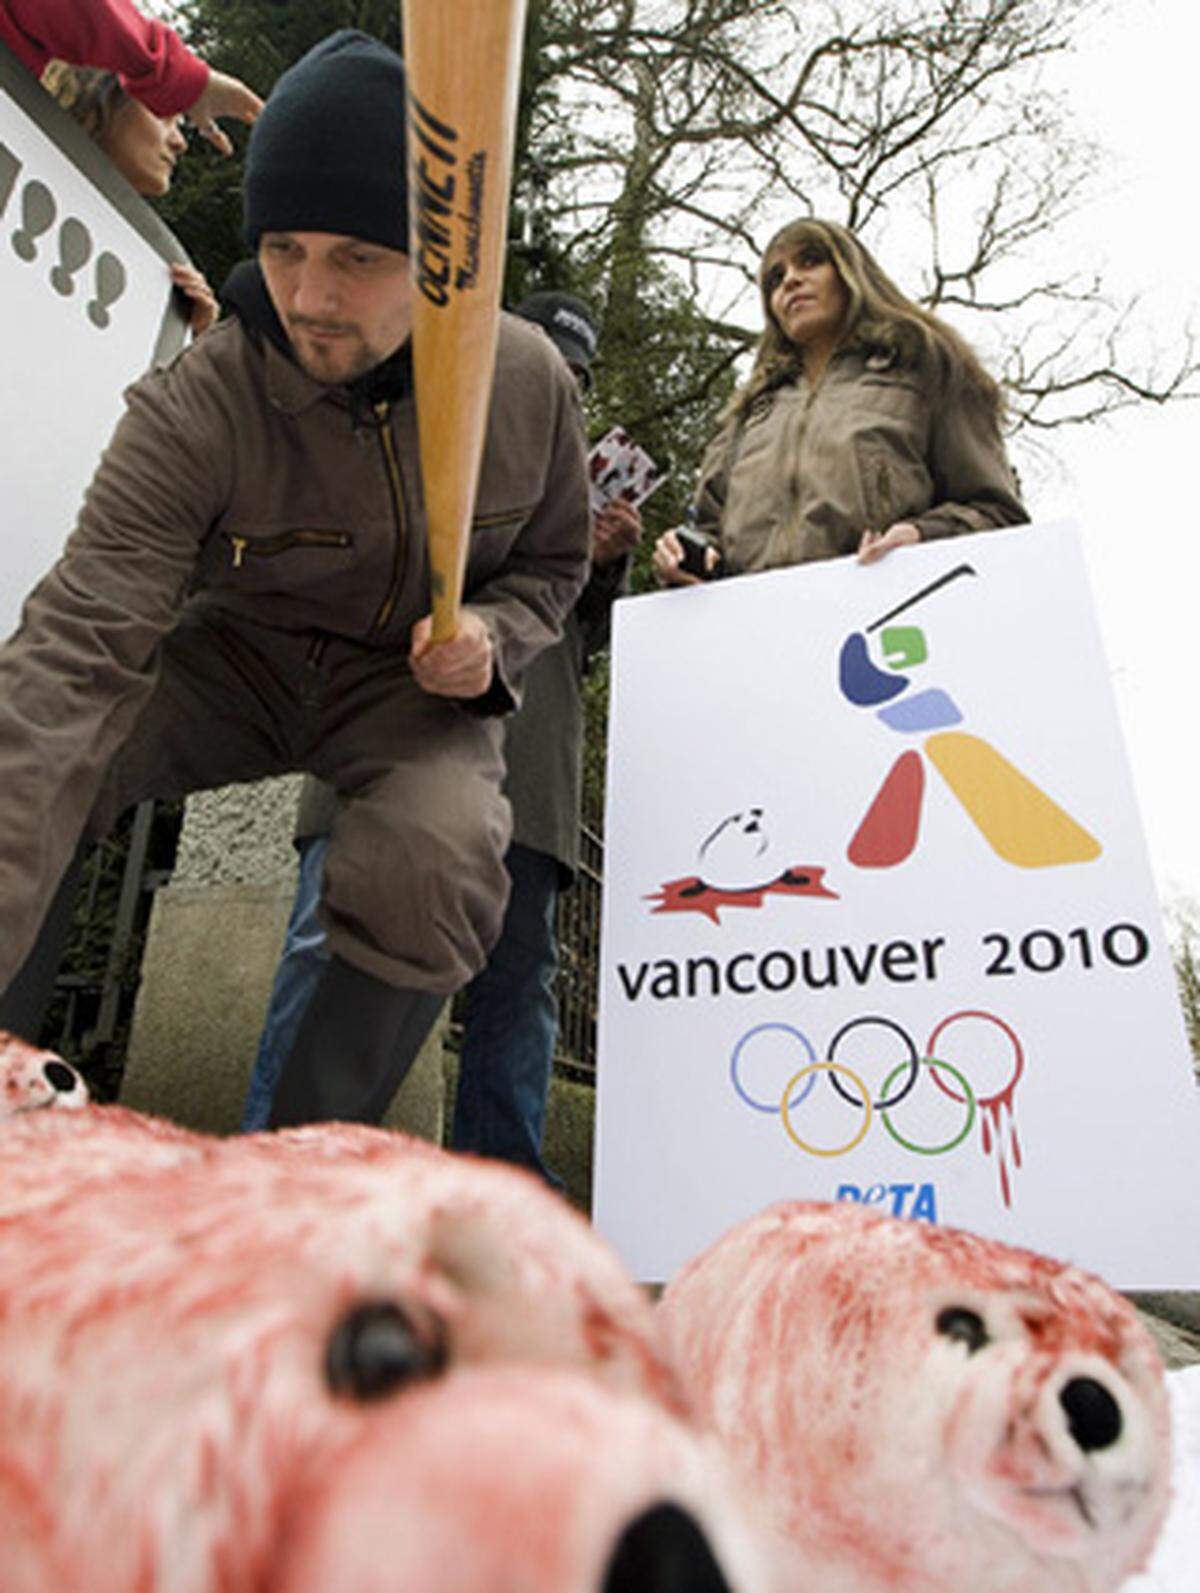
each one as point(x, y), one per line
point(664, 1551)
point(63, 1078)
point(1093, 1415)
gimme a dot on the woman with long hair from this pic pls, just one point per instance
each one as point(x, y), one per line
point(867, 424)
point(143, 147)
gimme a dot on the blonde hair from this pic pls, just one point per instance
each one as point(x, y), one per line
point(880, 320)
point(88, 94)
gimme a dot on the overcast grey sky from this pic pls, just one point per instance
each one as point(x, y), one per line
point(1132, 481)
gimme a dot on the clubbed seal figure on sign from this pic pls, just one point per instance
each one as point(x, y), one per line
point(737, 856)
point(739, 864)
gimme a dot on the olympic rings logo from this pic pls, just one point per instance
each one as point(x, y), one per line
point(897, 1086)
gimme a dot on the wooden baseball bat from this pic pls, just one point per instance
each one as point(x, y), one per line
point(463, 62)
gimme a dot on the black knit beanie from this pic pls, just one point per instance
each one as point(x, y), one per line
point(328, 152)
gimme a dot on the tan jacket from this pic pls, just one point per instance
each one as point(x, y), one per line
point(237, 483)
point(810, 468)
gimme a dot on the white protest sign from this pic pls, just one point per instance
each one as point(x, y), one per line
point(878, 918)
point(85, 301)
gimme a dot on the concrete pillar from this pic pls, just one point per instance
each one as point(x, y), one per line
point(214, 940)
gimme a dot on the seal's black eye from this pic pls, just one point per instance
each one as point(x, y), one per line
point(957, 1322)
point(375, 1350)
point(63, 1078)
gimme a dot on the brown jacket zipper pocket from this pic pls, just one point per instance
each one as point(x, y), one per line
point(283, 542)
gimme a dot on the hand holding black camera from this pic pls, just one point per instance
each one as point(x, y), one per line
point(683, 556)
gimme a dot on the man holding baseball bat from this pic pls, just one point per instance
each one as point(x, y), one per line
point(511, 1006)
point(247, 592)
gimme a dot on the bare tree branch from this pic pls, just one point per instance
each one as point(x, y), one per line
point(677, 133)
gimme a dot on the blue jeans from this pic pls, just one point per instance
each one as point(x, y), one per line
point(510, 1024)
point(511, 1019)
point(301, 964)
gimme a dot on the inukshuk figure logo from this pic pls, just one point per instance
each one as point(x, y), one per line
point(1017, 819)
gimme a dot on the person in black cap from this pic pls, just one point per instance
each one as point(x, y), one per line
point(511, 1008)
point(568, 323)
point(247, 591)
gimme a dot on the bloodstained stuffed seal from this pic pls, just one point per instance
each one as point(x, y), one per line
point(33, 1080)
point(330, 1359)
point(922, 1410)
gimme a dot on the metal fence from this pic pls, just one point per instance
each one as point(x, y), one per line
point(83, 974)
point(89, 1001)
point(579, 961)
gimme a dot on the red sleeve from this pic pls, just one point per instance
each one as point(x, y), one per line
point(154, 63)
